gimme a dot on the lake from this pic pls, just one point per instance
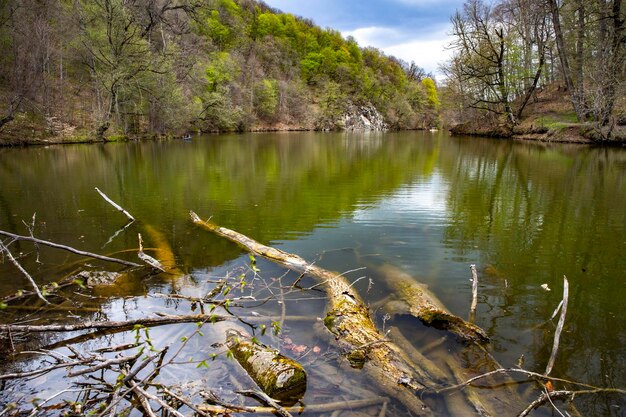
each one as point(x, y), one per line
point(428, 204)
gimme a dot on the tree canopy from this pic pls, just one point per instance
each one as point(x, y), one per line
point(113, 67)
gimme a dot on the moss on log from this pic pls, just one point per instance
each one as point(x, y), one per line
point(421, 303)
point(279, 377)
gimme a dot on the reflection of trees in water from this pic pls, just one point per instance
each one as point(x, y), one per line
point(536, 213)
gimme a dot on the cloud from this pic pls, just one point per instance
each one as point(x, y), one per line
point(427, 52)
point(379, 37)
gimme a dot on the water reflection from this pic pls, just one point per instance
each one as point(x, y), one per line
point(527, 214)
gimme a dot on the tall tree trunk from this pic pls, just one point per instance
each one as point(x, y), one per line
point(615, 61)
point(577, 103)
point(502, 85)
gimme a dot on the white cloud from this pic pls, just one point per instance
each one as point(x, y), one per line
point(379, 37)
point(427, 52)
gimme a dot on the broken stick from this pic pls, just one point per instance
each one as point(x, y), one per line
point(114, 204)
point(68, 248)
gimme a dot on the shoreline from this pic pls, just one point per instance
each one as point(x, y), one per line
point(568, 135)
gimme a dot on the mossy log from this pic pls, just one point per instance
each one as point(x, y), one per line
point(461, 362)
point(349, 321)
point(417, 300)
point(278, 376)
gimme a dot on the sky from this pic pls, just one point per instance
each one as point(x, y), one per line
point(412, 30)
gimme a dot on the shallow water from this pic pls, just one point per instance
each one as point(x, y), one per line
point(525, 213)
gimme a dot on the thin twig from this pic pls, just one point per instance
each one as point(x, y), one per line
point(114, 204)
point(68, 248)
point(146, 394)
point(267, 400)
point(544, 398)
point(47, 400)
point(529, 374)
point(184, 401)
point(23, 271)
point(31, 229)
point(559, 327)
point(313, 408)
point(105, 364)
point(550, 400)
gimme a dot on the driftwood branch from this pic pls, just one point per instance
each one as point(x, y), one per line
point(559, 327)
point(6, 250)
point(114, 204)
point(267, 400)
point(68, 248)
point(100, 325)
point(147, 258)
point(313, 408)
point(474, 291)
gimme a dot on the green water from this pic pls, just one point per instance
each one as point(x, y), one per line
point(525, 213)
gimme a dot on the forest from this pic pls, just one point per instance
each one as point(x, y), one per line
point(110, 69)
point(508, 53)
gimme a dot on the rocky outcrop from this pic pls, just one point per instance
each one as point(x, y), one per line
point(363, 118)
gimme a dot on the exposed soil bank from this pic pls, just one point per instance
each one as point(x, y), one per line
point(548, 118)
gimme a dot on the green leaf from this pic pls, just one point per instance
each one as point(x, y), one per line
point(80, 283)
point(203, 364)
point(276, 327)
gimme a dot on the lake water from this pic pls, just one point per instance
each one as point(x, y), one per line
point(428, 204)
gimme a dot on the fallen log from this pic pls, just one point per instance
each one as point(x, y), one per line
point(349, 321)
point(461, 361)
point(279, 377)
point(418, 301)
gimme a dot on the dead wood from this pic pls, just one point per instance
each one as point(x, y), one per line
point(559, 327)
point(349, 321)
point(313, 408)
point(149, 260)
point(114, 204)
point(261, 396)
point(417, 300)
point(279, 377)
point(99, 325)
point(23, 271)
point(474, 293)
point(69, 249)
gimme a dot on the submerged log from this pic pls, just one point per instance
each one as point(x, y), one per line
point(281, 378)
point(349, 321)
point(417, 300)
point(460, 361)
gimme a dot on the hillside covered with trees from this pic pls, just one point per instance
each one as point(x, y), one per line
point(537, 67)
point(105, 69)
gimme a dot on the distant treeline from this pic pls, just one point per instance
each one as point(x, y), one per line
point(124, 67)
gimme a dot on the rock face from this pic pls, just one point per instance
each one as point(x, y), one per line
point(363, 118)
